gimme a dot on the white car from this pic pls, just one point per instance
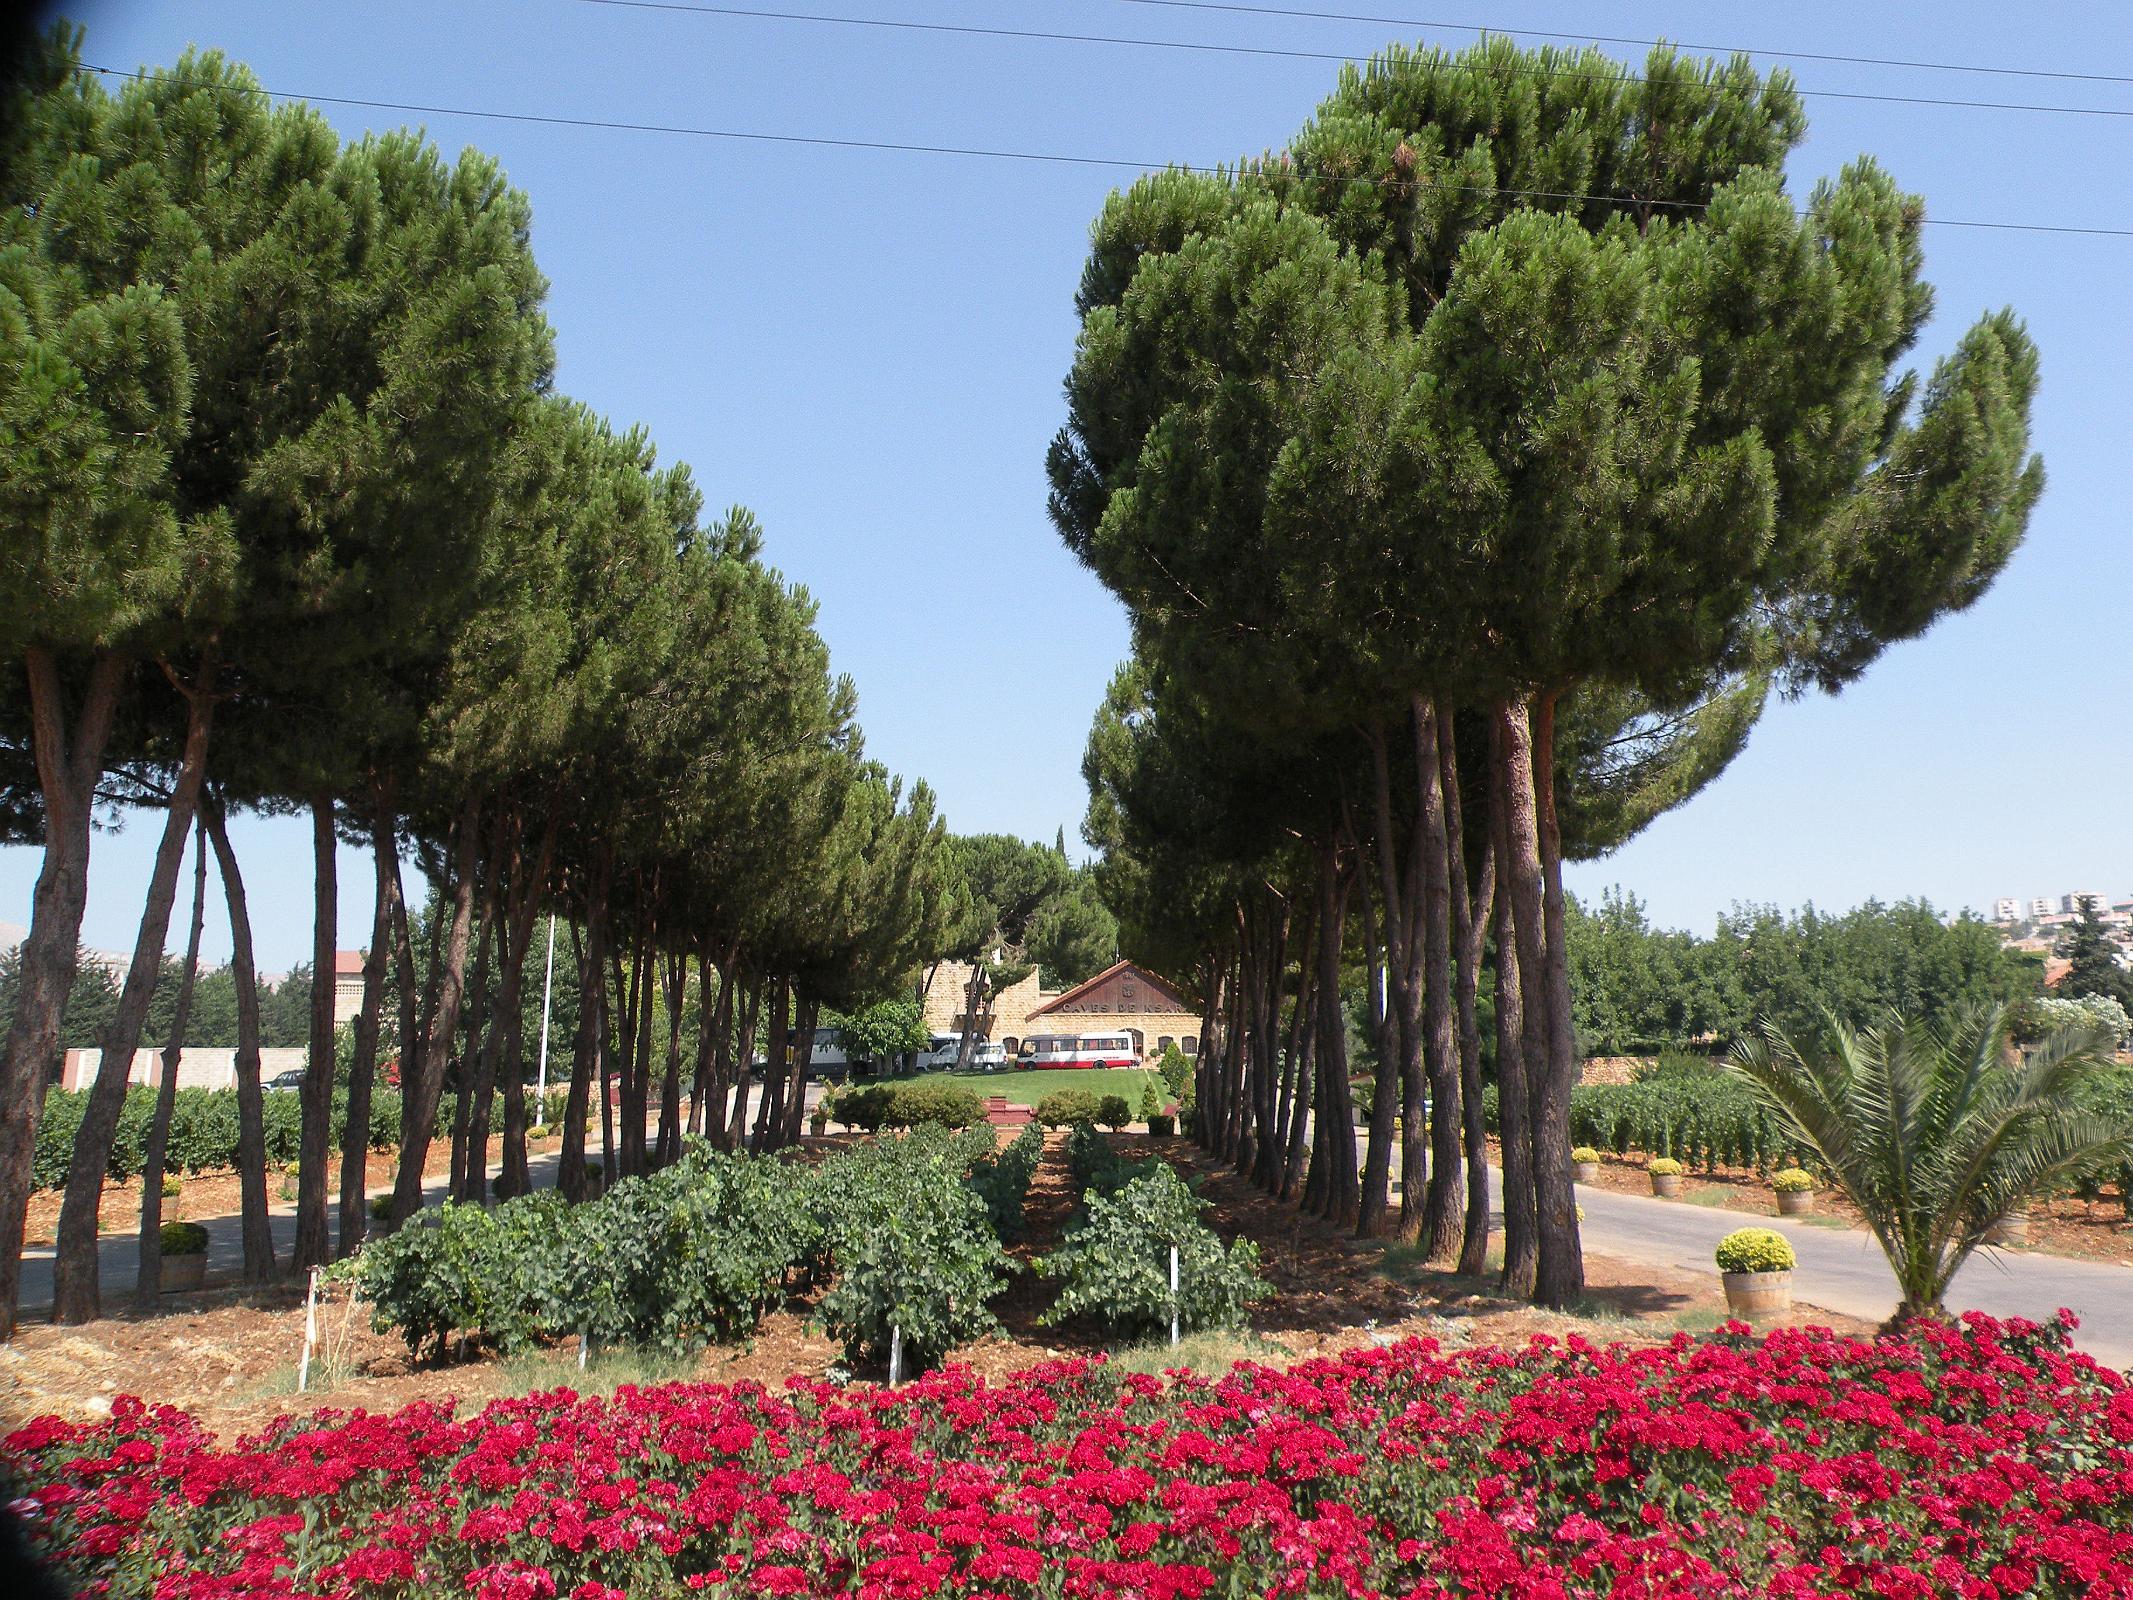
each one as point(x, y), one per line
point(989, 1056)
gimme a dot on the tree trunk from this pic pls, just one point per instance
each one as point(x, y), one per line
point(369, 1024)
point(1440, 1215)
point(75, 1288)
point(527, 884)
point(427, 1086)
point(973, 997)
point(803, 1061)
point(1336, 1105)
point(148, 1281)
point(1470, 921)
point(774, 1068)
point(743, 1066)
point(1522, 1038)
point(314, 1246)
point(585, 1052)
point(668, 1149)
point(68, 765)
point(1374, 1208)
point(1401, 1075)
point(636, 1090)
point(475, 1041)
point(1561, 1282)
point(710, 1026)
point(254, 1224)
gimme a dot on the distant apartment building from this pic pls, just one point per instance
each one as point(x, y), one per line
point(347, 986)
point(2007, 909)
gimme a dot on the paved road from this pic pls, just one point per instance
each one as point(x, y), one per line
point(1843, 1270)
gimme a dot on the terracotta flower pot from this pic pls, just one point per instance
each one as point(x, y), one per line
point(2010, 1229)
point(1795, 1202)
point(182, 1274)
point(1585, 1171)
point(1667, 1185)
point(1750, 1294)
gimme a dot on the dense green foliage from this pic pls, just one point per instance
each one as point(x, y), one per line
point(873, 1106)
point(1637, 989)
point(211, 1021)
point(203, 1130)
point(691, 1254)
point(1067, 1108)
point(1114, 1264)
point(910, 1244)
point(2092, 964)
point(1002, 1181)
point(183, 1239)
point(1695, 1114)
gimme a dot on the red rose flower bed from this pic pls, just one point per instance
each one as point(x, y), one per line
point(1982, 1461)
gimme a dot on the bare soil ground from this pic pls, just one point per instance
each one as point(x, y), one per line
point(230, 1356)
point(217, 1194)
point(2093, 1230)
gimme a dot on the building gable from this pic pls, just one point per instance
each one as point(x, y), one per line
point(1122, 989)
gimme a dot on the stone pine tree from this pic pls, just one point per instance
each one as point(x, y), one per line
point(95, 391)
point(2092, 964)
point(1634, 420)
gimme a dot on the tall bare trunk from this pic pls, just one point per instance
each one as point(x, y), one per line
point(422, 1092)
point(69, 761)
point(803, 1061)
point(75, 1290)
point(1470, 921)
point(369, 1024)
point(743, 1066)
point(1519, 960)
point(667, 1149)
point(1561, 1282)
point(775, 1066)
point(314, 1245)
point(585, 1053)
point(1374, 1208)
point(1401, 1080)
point(148, 1281)
point(1338, 1195)
point(705, 1120)
point(253, 1222)
point(1439, 1213)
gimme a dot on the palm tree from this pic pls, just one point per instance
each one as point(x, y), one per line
point(1936, 1133)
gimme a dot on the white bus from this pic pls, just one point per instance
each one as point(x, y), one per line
point(1077, 1050)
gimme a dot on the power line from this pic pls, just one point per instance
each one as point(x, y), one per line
point(1039, 157)
point(1608, 38)
point(907, 25)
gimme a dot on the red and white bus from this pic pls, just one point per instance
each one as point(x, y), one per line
point(1068, 1050)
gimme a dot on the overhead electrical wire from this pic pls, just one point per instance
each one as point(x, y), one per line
point(1236, 8)
point(1036, 157)
point(1052, 36)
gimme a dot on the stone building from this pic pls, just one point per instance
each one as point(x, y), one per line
point(1123, 998)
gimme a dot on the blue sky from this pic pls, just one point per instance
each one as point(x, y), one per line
point(866, 348)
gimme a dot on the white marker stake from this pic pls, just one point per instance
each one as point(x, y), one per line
point(1173, 1295)
point(585, 1340)
point(303, 1365)
point(896, 1352)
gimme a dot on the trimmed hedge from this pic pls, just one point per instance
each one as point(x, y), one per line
point(203, 1130)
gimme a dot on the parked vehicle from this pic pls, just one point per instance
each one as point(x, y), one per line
point(826, 1061)
point(291, 1080)
point(989, 1056)
point(1070, 1050)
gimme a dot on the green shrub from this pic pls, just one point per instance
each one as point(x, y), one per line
point(1584, 1154)
point(183, 1238)
point(1097, 1168)
point(1755, 1250)
point(1175, 1069)
point(1161, 1127)
point(691, 1254)
point(865, 1107)
point(1113, 1112)
point(381, 1207)
point(1664, 1167)
point(911, 1247)
point(1063, 1108)
point(1684, 1108)
point(943, 1105)
point(1114, 1265)
point(173, 1186)
point(1793, 1180)
point(1002, 1181)
point(203, 1130)
point(1151, 1102)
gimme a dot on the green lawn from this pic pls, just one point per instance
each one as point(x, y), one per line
point(1027, 1088)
